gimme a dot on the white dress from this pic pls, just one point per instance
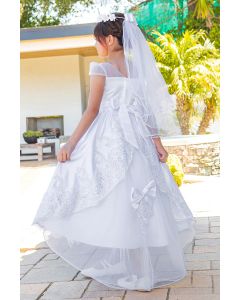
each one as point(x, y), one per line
point(113, 210)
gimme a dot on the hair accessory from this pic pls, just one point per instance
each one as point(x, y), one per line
point(107, 17)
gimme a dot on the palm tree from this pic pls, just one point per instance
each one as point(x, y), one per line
point(202, 9)
point(212, 103)
point(187, 66)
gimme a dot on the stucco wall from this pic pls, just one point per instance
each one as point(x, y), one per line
point(54, 86)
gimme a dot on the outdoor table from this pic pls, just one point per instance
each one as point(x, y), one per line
point(39, 147)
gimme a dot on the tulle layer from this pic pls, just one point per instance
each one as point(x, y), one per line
point(141, 268)
point(106, 241)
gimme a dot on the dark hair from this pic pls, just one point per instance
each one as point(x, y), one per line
point(103, 29)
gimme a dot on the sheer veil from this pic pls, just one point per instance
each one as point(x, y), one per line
point(146, 81)
point(141, 64)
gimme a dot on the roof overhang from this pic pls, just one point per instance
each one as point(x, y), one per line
point(58, 40)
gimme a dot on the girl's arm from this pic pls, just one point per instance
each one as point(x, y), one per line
point(162, 153)
point(97, 83)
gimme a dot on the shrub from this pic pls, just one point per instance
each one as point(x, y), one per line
point(175, 167)
point(33, 133)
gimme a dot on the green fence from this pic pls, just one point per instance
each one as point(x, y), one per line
point(163, 15)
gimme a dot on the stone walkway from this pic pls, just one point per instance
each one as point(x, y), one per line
point(45, 276)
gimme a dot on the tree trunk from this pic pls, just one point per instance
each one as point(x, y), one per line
point(183, 114)
point(191, 8)
point(207, 117)
point(191, 5)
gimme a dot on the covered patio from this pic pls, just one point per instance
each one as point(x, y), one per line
point(54, 76)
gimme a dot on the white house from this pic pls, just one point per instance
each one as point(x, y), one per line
point(54, 76)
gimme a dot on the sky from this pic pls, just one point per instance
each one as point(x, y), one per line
point(89, 15)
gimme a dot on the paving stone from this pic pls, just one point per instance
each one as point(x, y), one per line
point(80, 276)
point(215, 218)
point(188, 249)
point(215, 229)
point(155, 294)
point(42, 245)
point(207, 235)
point(97, 286)
point(185, 282)
point(215, 264)
point(206, 272)
point(112, 298)
point(202, 281)
point(53, 263)
point(202, 228)
point(105, 293)
point(32, 291)
point(31, 257)
point(51, 256)
point(62, 290)
point(61, 260)
point(201, 256)
point(190, 291)
point(207, 242)
point(202, 220)
point(205, 249)
point(215, 224)
point(25, 269)
point(216, 284)
point(91, 298)
point(194, 297)
point(40, 275)
point(198, 265)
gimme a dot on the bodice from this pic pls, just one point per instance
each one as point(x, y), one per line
point(120, 91)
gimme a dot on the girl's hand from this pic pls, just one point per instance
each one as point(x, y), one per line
point(65, 152)
point(162, 153)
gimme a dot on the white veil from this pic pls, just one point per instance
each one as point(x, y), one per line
point(141, 64)
point(146, 82)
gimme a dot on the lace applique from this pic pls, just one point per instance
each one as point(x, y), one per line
point(112, 158)
point(58, 200)
point(142, 202)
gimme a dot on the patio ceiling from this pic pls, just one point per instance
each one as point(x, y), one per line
point(58, 40)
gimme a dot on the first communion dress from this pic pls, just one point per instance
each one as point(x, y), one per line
point(114, 211)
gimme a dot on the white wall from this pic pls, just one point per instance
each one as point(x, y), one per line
point(52, 86)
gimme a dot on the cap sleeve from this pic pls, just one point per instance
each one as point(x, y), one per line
point(96, 69)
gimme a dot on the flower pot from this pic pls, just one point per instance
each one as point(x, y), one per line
point(30, 140)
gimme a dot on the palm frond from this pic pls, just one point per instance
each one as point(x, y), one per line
point(203, 9)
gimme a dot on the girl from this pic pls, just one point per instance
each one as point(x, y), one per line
point(112, 208)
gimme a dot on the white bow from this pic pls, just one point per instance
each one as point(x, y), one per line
point(142, 201)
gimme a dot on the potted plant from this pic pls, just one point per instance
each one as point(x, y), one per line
point(31, 136)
